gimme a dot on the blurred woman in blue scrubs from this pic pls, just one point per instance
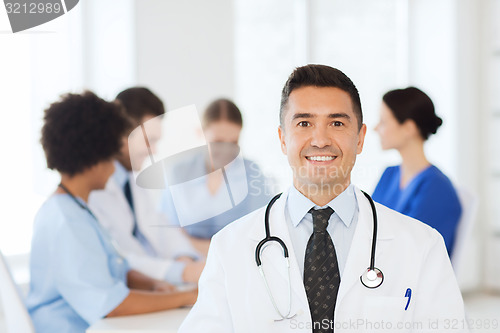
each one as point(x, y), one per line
point(416, 187)
point(77, 275)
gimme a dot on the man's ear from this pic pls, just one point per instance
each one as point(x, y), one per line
point(281, 134)
point(361, 138)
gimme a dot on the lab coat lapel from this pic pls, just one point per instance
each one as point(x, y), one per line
point(358, 259)
point(274, 265)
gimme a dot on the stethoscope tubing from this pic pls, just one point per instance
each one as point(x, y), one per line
point(375, 227)
point(270, 238)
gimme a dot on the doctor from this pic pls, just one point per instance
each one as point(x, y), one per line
point(128, 212)
point(327, 225)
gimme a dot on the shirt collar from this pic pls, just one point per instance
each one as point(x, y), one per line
point(120, 175)
point(344, 205)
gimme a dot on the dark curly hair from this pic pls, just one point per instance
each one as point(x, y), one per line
point(80, 131)
point(412, 103)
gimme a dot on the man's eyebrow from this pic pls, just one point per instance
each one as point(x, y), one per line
point(339, 115)
point(302, 115)
point(331, 115)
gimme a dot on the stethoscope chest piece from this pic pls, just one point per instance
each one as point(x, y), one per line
point(372, 278)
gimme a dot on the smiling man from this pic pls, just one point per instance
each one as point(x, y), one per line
point(312, 274)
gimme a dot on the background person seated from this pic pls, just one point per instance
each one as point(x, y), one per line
point(416, 187)
point(77, 275)
point(129, 212)
point(222, 123)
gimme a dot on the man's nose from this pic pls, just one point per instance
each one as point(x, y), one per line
point(321, 137)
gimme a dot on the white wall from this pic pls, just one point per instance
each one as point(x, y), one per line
point(266, 38)
point(490, 136)
point(185, 50)
point(109, 46)
point(468, 104)
point(432, 68)
point(36, 66)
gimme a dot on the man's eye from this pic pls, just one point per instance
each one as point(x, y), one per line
point(303, 124)
point(338, 123)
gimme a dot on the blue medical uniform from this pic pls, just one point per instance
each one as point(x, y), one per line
point(77, 277)
point(204, 203)
point(429, 197)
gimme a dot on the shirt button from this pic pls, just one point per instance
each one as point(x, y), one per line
point(119, 261)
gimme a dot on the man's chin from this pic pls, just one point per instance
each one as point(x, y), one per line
point(321, 185)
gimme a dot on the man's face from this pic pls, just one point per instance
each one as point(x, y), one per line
point(321, 139)
point(134, 149)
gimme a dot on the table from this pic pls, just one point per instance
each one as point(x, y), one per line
point(157, 322)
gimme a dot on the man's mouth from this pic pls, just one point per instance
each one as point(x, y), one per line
point(321, 158)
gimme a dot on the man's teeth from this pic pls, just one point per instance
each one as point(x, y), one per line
point(321, 158)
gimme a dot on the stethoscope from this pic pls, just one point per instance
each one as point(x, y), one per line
point(371, 278)
point(113, 243)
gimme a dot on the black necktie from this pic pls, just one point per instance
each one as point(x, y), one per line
point(321, 272)
point(128, 195)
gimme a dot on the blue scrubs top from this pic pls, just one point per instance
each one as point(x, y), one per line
point(429, 197)
point(77, 277)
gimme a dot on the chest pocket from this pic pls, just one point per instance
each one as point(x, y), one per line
point(386, 314)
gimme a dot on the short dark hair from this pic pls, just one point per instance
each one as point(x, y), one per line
point(222, 109)
point(320, 76)
point(140, 102)
point(81, 130)
point(412, 103)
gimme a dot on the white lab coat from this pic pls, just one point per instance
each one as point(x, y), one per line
point(113, 211)
point(232, 295)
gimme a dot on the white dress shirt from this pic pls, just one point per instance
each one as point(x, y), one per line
point(341, 225)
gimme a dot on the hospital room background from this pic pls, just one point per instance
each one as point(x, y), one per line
point(191, 52)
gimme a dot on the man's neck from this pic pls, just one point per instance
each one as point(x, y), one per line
point(321, 194)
